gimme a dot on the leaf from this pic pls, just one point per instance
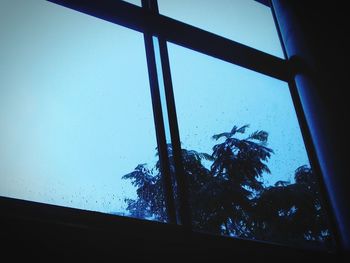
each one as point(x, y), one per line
point(206, 156)
point(242, 129)
point(220, 135)
point(234, 130)
point(261, 136)
point(281, 183)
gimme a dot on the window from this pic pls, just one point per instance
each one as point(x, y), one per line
point(212, 143)
point(246, 124)
point(71, 108)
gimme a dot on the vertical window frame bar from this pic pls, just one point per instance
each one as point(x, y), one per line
point(159, 127)
point(182, 185)
point(183, 190)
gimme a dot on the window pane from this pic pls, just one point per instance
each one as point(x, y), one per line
point(245, 181)
point(75, 109)
point(134, 2)
point(247, 22)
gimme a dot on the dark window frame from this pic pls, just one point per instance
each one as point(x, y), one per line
point(148, 21)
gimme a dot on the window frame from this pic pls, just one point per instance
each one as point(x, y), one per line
point(147, 20)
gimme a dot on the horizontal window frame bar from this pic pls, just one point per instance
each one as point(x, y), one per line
point(58, 221)
point(264, 2)
point(171, 30)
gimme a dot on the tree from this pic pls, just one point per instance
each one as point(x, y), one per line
point(230, 198)
point(150, 201)
point(292, 212)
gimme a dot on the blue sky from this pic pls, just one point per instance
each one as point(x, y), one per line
point(75, 107)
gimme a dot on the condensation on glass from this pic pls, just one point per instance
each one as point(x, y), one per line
point(75, 108)
point(247, 22)
point(243, 152)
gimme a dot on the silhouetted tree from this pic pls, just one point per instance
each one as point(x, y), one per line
point(292, 212)
point(230, 198)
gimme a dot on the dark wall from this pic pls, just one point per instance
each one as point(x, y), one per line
point(315, 36)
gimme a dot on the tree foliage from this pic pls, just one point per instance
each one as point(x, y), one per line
point(229, 197)
point(292, 212)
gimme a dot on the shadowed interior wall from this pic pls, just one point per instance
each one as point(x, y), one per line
point(314, 37)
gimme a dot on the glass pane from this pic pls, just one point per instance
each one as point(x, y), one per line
point(75, 110)
point(244, 155)
point(247, 22)
point(134, 2)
